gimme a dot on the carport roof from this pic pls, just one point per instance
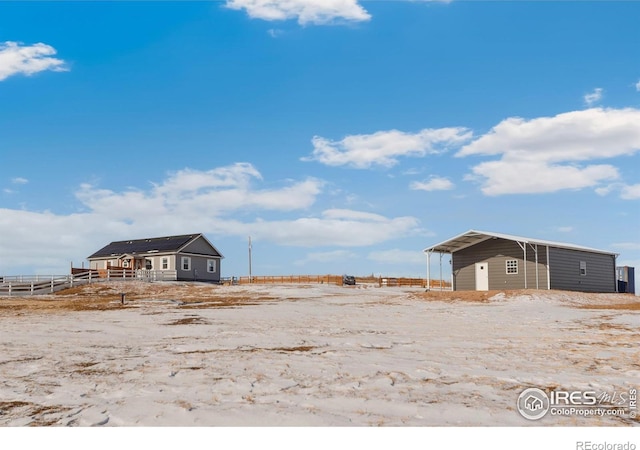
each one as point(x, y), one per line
point(473, 237)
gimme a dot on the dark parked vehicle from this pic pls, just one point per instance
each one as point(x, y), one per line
point(349, 280)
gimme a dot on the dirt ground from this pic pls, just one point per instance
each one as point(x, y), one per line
point(196, 354)
point(108, 296)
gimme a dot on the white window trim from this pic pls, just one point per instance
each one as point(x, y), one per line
point(215, 265)
point(583, 268)
point(165, 263)
point(186, 259)
point(507, 267)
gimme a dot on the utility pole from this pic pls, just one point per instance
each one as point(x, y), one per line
point(250, 278)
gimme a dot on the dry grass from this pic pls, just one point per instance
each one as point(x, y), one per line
point(297, 348)
point(107, 296)
point(461, 296)
point(7, 406)
point(300, 348)
point(615, 306)
point(614, 326)
point(189, 321)
point(38, 413)
point(583, 300)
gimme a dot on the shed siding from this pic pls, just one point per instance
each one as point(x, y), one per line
point(200, 247)
point(496, 252)
point(565, 271)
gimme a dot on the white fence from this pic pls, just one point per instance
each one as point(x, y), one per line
point(19, 285)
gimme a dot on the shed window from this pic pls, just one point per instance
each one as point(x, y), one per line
point(165, 263)
point(186, 263)
point(148, 264)
point(211, 265)
point(583, 268)
point(512, 266)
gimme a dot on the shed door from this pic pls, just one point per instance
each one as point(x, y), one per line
point(482, 276)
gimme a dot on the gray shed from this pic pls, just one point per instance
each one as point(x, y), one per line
point(483, 261)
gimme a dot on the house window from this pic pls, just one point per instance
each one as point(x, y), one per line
point(148, 264)
point(583, 268)
point(512, 266)
point(165, 263)
point(186, 263)
point(211, 265)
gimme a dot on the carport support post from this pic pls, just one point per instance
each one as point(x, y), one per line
point(441, 271)
point(250, 275)
point(615, 273)
point(428, 269)
point(525, 265)
point(523, 246)
point(548, 271)
point(537, 276)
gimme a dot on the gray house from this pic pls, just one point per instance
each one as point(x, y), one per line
point(483, 261)
point(186, 257)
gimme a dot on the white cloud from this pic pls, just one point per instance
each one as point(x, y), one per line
point(331, 230)
point(333, 257)
point(630, 192)
point(353, 215)
point(433, 184)
point(221, 202)
point(543, 154)
point(383, 148)
point(627, 191)
point(16, 58)
point(274, 32)
point(396, 256)
point(412, 171)
point(565, 229)
point(317, 12)
point(531, 177)
point(593, 97)
point(638, 86)
point(627, 245)
point(606, 189)
point(187, 191)
point(19, 180)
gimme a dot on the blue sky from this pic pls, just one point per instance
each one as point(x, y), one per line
point(344, 136)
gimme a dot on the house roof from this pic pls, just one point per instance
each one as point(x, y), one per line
point(473, 237)
point(164, 244)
